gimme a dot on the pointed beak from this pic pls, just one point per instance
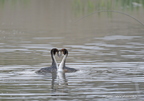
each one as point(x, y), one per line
point(59, 53)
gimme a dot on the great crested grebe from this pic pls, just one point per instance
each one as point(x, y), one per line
point(53, 67)
point(62, 66)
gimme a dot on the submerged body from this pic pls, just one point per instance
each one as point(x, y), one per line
point(46, 70)
point(69, 70)
point(51, 69)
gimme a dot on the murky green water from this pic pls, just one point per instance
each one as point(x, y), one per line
point(107, 48)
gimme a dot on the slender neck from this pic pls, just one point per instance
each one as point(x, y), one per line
point(62, 64)
point(54, 62)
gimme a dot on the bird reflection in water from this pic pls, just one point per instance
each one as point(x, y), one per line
point(58, 81)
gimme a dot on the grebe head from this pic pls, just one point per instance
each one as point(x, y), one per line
point(63, 51)
point(54, 51)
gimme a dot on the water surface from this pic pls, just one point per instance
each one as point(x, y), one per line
point(107, 50)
